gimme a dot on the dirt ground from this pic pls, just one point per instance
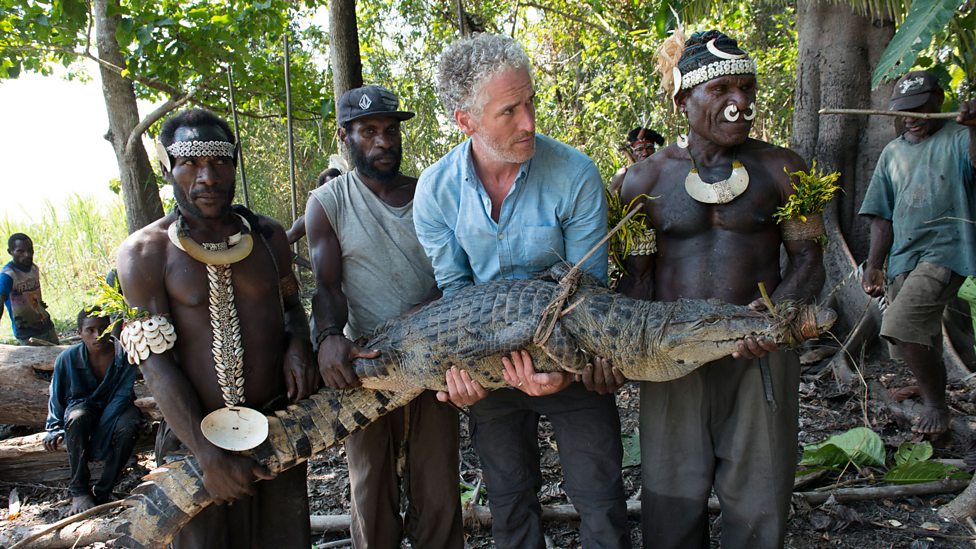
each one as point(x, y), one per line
point(910, 523)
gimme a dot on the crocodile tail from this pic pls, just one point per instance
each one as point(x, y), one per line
point(162, 505)
point(173, 494)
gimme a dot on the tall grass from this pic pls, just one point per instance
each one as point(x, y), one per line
point(74, 246)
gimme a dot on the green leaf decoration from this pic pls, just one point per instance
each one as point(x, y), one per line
point(861, 445)
point(622, 241)
point(632, 452)
point(814, 190)
point(925, 18)
point(912, 452)
point(113, 304)
point(923, 471)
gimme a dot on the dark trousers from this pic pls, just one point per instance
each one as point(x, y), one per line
point(731, 424)
point(587, 430)
point(427, 432)
point(80, 422)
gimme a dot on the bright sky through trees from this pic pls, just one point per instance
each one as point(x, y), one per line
point(52, 144)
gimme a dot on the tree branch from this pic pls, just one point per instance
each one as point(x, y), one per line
point(567, 16)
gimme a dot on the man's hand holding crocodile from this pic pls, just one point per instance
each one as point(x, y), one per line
point(335, 357)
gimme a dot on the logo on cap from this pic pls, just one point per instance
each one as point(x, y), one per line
point(911, 83)
point(365, 102)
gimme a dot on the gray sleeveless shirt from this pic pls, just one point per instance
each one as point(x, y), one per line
point(384, 268)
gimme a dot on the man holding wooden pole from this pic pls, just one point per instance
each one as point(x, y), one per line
point(921, 202)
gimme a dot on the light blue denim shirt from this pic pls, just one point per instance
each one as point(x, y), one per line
point(556, 210)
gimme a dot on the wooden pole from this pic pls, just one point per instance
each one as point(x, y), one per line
point(924, 115)
point(237, 131)
point(291, 144)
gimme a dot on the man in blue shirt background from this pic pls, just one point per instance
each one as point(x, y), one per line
point(503, 204)
point(20, 290)
point(92, 410)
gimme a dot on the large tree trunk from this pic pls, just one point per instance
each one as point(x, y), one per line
point(837, 51)
point(347, 66)
point(25, 379)
point(140, 193)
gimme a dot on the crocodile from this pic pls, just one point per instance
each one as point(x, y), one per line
point(474, 328)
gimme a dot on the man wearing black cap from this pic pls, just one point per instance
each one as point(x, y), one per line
point(921, 203)
point(369, 268)
point(731, 424)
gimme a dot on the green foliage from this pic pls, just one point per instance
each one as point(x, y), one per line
point(73, 244)
point(622, 241)
point(814, 190)
point(113, 304)
point(925, 19)
point(632, 451)
point(862, 446)
point(911, 452)
point(172, 47)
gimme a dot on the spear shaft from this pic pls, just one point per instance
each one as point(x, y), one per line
point(925, 115)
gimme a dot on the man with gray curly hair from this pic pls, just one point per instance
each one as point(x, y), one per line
point(503, 204)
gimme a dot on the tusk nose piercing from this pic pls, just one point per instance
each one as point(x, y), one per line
point(731, 113)
point(751, 113)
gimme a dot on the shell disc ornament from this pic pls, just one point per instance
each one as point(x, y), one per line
point(150, 335)
point(235, 428)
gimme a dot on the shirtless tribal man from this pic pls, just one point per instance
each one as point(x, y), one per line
point(733, 422)
point(220, 276)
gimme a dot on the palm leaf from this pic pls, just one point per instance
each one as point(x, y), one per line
point(925, 18)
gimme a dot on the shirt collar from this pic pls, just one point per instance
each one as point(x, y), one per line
point(470, 176)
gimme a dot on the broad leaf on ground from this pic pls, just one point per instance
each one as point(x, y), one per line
point(859, 445)
point(923, 471)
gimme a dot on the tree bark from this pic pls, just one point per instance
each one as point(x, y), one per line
point(25, 381)
point(837, 50)
point(140, 193)
point(347, 67)
point(24, 459)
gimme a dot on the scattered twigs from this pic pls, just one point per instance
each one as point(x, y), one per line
point(919, 531)
point(972, 526)
point(925, 115)
point(65, 522)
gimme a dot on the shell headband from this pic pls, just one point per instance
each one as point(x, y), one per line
point(706, 55)
point(194, 148)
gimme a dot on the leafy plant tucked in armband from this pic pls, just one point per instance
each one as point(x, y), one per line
point(113, 305)
point(863, 447)
point(814, 190)
point(623, 242)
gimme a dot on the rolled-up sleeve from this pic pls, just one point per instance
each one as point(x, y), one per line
point(452, 270)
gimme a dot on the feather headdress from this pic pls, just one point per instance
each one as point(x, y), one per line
point(668, 56)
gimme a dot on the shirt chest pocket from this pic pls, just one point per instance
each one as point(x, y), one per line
point(543, 246)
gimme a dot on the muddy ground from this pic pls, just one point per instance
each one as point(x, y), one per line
point(909, 522)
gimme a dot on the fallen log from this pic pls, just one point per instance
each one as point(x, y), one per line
point(24, 459)
point(25, 375)
point(102, 529)
point(25, 380)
